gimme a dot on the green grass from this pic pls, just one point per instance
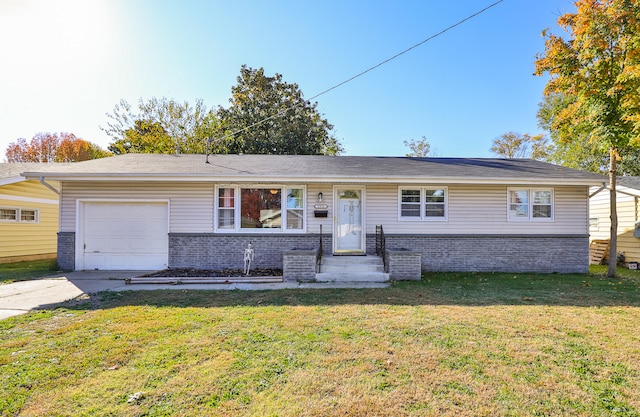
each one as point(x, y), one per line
point(23, 271)
point(452, 344)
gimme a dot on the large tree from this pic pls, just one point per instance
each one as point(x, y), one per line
point(581, 152)
point(517, 145)
point(53, 147)
point(597, 63)
point(158, 126)
point(270, 116)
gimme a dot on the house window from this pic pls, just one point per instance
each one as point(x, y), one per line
point(260, 208)
point(226, 208)
point(530, 204)
point(422, 203)
point(19, 215)
point(295, 208)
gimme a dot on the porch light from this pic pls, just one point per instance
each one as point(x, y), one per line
point(319, 197)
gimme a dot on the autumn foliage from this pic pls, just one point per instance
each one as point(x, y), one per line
point(597, 65)
point(53, 147)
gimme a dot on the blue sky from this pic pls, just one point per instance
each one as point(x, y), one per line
point(65, 64)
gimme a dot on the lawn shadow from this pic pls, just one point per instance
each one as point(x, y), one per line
point(458, 289)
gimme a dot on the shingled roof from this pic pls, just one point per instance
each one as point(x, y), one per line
point(10, 172)
point(631, 182)
point(316, 168)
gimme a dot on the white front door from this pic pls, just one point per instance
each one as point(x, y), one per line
point(348, 231)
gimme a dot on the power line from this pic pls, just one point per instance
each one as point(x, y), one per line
point(408, 49)
point(443, 31)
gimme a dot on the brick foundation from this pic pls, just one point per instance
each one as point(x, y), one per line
point(539, 253)
point(67, 251)
point(220, 251)
point(547, 254)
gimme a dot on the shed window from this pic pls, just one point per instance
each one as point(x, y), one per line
point(28, 215)
point(9, 214)
point(19, 215)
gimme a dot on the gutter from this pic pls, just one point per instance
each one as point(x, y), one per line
point(605, 187)
point(49, 186)
point(316, 179)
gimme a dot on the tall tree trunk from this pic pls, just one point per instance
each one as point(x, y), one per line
point(613, 239)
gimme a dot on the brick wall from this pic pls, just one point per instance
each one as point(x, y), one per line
point(219, 251)
point(404, 265)
point(299, 265)
point(563, 254)
point(67, 251)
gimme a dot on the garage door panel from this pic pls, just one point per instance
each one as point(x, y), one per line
point(125, 235)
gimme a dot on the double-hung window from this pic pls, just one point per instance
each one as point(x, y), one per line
point(530, 204)
point(422, 203)
point(260, 208)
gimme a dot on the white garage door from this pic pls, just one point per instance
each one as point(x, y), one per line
point(124, 236)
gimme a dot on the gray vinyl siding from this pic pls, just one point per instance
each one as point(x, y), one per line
point(472, 209)
point(478, 210)
point(313, 223)
point(190, 204)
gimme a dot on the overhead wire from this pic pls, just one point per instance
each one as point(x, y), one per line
point(443, 31)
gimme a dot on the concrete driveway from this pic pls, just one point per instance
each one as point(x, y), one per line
point(21, 297)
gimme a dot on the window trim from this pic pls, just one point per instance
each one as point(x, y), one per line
point(530, 217)
point(18, 219)
point(423, 203)
point(237, 209)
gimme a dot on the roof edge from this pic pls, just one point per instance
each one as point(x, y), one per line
point(308, 179)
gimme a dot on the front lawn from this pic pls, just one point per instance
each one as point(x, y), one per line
point(450, 345)
point(23, 271)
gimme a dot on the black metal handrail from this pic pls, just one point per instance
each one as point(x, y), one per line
point(319, 253)
point(381, 246)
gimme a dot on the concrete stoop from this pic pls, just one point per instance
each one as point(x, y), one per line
point(352, 269)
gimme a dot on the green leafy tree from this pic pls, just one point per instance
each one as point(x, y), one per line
point(419, 148)
point(159, 126)
point(516, 145)
point(598, 65)
point(581, 152)
point(270, 116)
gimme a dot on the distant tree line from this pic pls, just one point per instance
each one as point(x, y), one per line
point(53, 147)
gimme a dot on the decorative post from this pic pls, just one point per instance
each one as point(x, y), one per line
point(248, 258)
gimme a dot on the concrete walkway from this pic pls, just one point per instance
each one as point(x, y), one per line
point(21, 297)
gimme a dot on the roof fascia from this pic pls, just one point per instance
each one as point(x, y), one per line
point(309, 179)
point(12, 180)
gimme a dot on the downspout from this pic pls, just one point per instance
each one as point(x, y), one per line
point(49, 186)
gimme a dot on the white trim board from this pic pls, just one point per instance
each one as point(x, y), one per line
point(28, 199)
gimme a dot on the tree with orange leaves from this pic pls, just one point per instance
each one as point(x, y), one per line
point(598, 65)
point(53, 147)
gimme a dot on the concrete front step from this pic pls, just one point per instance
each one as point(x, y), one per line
point(352, 269)
point(352, 277)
